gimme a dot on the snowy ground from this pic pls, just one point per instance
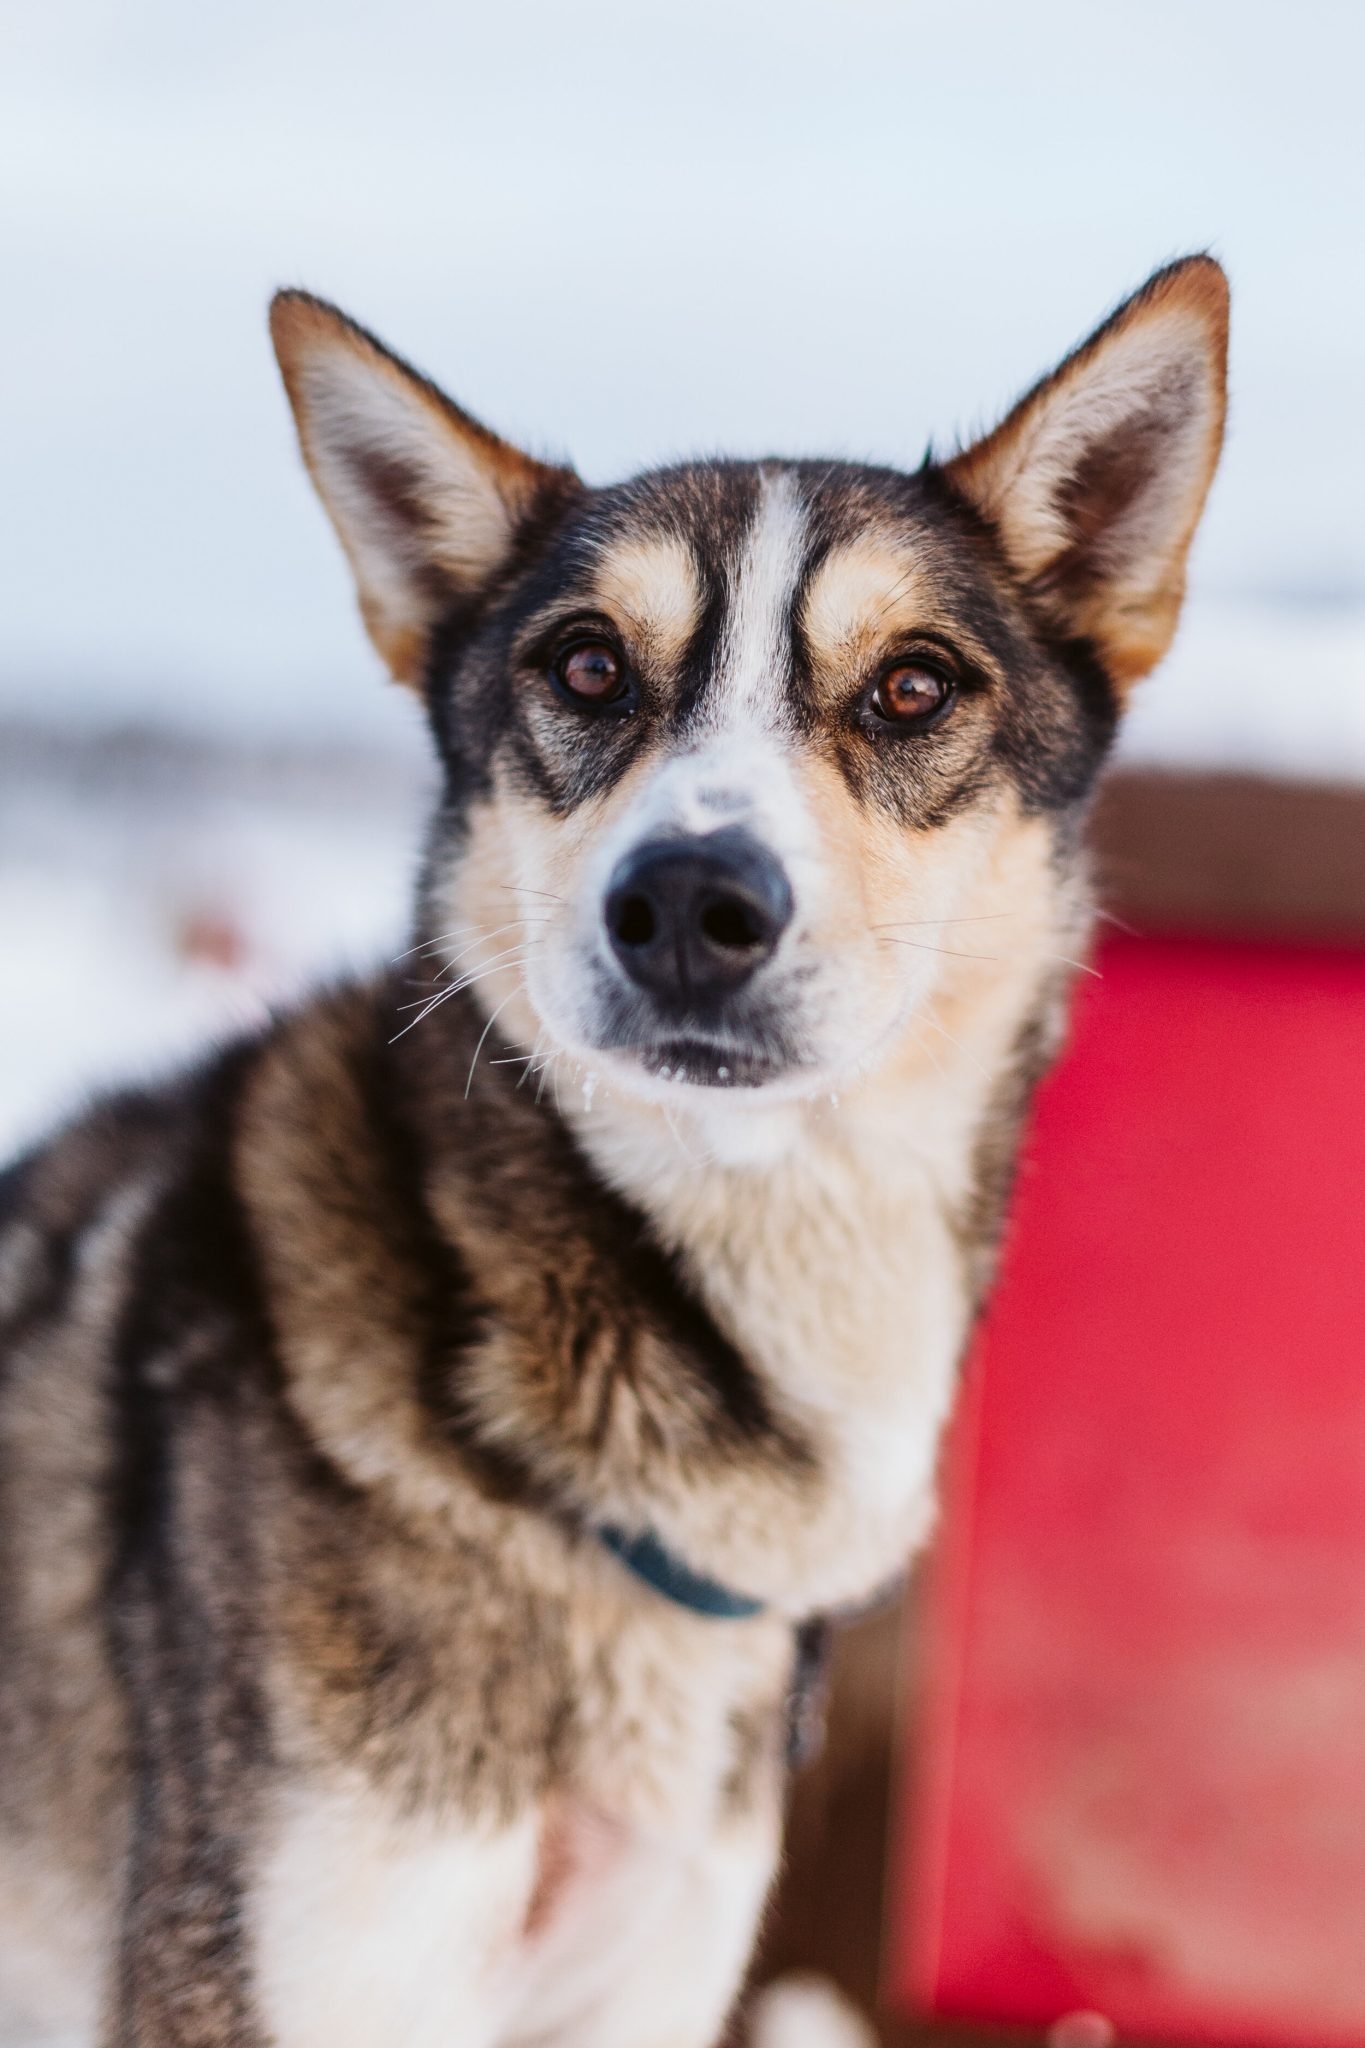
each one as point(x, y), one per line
point(154, 897)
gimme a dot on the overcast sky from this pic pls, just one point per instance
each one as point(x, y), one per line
point(623, 232)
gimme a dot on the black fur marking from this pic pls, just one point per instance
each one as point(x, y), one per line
point(48, 1263)
point(656, 1278)
point(192, 1334)
point(193, 1276)
point(121, 1130)
point(451, 1317)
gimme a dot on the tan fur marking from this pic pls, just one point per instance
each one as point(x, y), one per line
point(867, 600)
point(650, 587)
point(862, 595)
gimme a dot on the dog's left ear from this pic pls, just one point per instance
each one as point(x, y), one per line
point(1095, 482)
point(428, 505)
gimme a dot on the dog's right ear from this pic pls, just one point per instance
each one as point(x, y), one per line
point(428, 504)
point(1095, 482)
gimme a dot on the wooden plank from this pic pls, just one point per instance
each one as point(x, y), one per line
point(1233, 853)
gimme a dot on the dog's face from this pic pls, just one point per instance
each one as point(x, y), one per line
point(744, 737)
point(731, 746)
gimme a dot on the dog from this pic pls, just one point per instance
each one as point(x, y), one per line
point(433, 1430)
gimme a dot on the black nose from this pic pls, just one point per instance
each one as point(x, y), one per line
point(692, 919)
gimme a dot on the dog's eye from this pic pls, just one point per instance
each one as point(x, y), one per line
point(590, 673)
point(911, 694)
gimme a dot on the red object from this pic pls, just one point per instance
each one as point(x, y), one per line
point(1139, 1787)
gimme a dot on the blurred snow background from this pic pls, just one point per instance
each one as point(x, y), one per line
point(620, 232)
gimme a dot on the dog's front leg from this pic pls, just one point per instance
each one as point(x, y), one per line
point(330, 1922)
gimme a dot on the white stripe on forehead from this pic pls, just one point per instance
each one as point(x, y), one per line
point(751, 680)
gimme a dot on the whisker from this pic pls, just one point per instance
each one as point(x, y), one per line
point(925, 1017)
point(995, 959)
point(937, 1062)
point(522, 889)
point(952, 952)
point(527, 1061)
point(427, 945)
point(483, 940)
point(479, 966)
point(693, 1158)
point(534, 1054)
point(483, 1036)
point(514, 924)
point(458, 987)
point(442, 995)
point(1120, 924)
point(459, 931)
point(901, 923)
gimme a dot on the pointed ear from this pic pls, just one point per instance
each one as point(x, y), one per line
point(428, 504)
point(1095, 482)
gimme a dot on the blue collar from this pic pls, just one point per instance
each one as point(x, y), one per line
point(665, 1571)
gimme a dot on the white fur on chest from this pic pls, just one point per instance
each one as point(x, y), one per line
point(379, 1931)
point(828, 1254)
point(373, 1929)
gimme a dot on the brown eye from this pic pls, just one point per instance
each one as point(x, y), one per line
point(911, 694)
point(591, 673)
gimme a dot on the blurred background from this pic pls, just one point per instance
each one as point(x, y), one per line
point(621, 233)
point(617, 232)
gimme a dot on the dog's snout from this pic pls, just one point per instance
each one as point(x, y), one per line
point(692, 919)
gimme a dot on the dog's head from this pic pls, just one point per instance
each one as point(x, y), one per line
point(729, 747)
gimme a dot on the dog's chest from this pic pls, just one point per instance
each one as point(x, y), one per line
point(569, 1925)
point(837, 1273)
point(378, 1923)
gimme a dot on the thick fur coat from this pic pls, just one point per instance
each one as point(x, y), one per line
point(643, 1210)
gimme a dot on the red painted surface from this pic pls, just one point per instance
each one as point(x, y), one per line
point(1140, 1786)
